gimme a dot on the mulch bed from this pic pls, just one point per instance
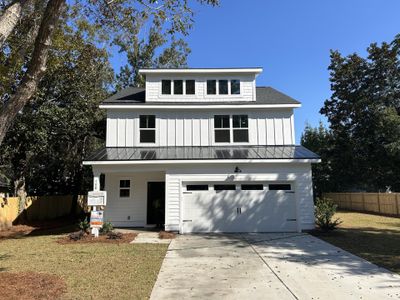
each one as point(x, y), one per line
point(166, 235)
point(30, 285)
point(16, 232)
point(126, 238)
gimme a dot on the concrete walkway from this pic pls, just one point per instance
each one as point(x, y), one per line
point(268, 266)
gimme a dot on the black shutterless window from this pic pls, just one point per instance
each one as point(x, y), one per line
point(211, 87)
point(279, 187)
point(222, 128)
point(252, 187)
point(235, 87)
point(223, 87)
point(190, 87)
point(147, 128)
point(224, 187)
point(178, 87)
point(197, 187)
point(240, 128)
point(166, 87)
point(124, 188)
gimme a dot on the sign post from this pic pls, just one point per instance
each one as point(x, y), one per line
point(97, 199)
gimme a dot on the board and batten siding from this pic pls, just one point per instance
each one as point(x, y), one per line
point(247, 88)
point(196, 128)
point(297, 174)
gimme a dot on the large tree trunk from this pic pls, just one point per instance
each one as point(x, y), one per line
point(36, 67)
point(10, 18)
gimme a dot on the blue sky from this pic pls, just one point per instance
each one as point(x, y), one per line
point(291, 40)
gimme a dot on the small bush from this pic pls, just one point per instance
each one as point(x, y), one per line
point(106, 228)
point(324, 212)
point(76, 236)
point(112, 235)
point(84, 225)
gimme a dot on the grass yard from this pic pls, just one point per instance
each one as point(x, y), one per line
point(90, 271)
point(375, 238)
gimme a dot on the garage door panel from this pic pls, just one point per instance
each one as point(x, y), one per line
point(239, 211)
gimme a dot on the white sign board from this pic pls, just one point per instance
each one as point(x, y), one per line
point(96, 218)
point(97, 198)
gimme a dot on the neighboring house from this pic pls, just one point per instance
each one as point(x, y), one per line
point(204, 150)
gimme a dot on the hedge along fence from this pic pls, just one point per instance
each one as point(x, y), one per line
point(38, 208)
point(381, 203)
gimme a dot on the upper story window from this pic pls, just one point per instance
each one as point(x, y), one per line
point(147, 128)
point(240, 128)
point(190, 87)
point(166, 87)
point(211, 87)
point(223, 87)
point(222, 128)
point(235, 87)
point(178, 87)
point(224, 132)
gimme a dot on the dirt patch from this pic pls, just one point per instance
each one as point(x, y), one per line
point(32, 286)
point(88, 238)
point(166, 235)
point(16, 232)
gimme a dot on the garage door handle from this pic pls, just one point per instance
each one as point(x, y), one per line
point(187, 192)
point(186, 220)
point(290, 192)
point(291, 220)
point(238, 210)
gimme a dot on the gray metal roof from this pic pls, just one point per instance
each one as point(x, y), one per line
point(201, 153)
point(135, 95)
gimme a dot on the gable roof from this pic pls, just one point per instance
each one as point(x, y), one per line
point(135, 95)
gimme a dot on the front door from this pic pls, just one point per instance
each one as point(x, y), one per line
point(156, 203)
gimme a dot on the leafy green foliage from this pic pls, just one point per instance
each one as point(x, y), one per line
point(361, 149)
point(84, 225)
point(325, 209)
point(106, 228)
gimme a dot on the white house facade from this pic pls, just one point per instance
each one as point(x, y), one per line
point(204, 150)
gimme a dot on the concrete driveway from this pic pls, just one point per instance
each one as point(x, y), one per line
point(268, 266)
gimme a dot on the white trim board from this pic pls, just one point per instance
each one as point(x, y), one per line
point(194, 106)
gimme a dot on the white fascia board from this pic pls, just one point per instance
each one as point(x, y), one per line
point(256, 70)
point(193, 106)
point(199, 161)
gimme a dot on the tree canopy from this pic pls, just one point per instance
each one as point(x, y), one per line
point(364, 121)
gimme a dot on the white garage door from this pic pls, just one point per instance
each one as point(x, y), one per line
point(238, 207)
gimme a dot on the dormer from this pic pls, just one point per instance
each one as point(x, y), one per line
point(201, 85)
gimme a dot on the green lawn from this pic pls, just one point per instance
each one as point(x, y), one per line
point(91, 271)
point(375, 238)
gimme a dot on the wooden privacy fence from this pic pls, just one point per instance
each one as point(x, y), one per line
point(382, 203)
point(38, 208)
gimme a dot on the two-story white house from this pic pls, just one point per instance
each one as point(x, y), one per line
point(204, 150)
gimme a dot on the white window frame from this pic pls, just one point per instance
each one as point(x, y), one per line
point(173, 95)
point(231, 142)
point(155, 131)
point(217, 87)
point(124, 188)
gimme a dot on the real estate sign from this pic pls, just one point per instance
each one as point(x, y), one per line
point(97, 198)
point(96, 218)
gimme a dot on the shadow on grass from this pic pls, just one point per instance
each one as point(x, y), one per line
point(381, 247)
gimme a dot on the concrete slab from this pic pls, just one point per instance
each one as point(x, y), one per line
point(268, 266)
point(149, 238)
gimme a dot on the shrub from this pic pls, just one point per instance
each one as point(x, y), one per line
point(75, 236)
point(106, 228)
point(112, 235)
point(324, 212)
point(84, 225)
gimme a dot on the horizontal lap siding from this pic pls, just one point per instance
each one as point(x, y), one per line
point(196, 128)
point(172, 202)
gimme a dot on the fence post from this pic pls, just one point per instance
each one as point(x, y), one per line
point(379, 202)
point(397, 203)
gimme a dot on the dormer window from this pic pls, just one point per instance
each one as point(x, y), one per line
point(235, 87)
point(166, 87)
point(223, 87)
point(211, 87)
point(190, 87)
point(178, 87)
